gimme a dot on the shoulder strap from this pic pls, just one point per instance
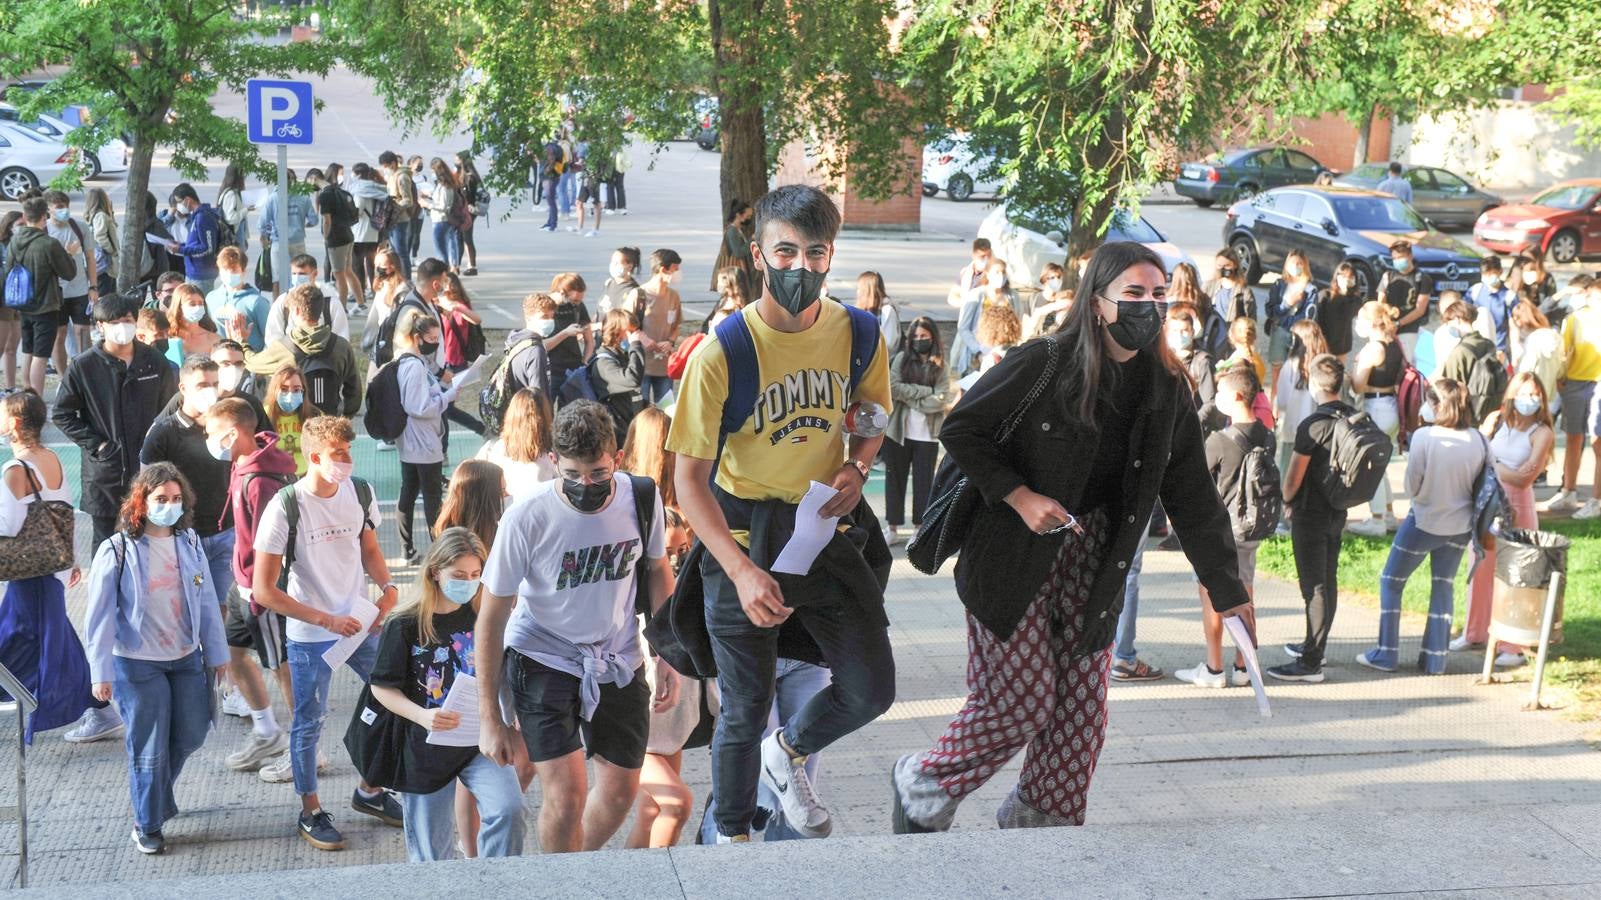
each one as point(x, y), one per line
point(864, 343)
point(33, 481)
point(364, 499)
point(645, 515)
point(292, 520)
point(1047, 375)
point(739, 355)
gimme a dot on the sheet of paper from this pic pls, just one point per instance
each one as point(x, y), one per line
point(1242, 640)
point(462, 698)
point(812, 532)
point(366, 613)
point(470, 375)
point(157, 239)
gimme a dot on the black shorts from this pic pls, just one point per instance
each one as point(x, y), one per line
point(39, 334)
point(76, 311)
point(589, 192)
point(547, 704)
point(264, 633)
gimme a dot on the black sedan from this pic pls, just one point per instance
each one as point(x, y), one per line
point(1240, 174)
point(1332, 225)
point(1446, 198)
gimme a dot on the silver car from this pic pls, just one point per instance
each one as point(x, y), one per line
point(1445, 198)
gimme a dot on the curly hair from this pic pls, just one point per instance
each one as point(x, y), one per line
point(584, 431)
point(131, 517)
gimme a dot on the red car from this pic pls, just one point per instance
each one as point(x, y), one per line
point(1563, 222)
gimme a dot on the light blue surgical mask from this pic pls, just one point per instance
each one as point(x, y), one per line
point(1526, 404)
point(61, 214)
point(165, 514)
point(299, 278)
point(543, 327)
point(289, 401)
point(232, 280)
point(459, 591)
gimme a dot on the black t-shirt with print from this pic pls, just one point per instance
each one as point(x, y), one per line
point(1403, 291)
point(569, 353)
point(424, 673)
point(331, 202)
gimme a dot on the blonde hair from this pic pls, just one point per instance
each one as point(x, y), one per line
point(428, 600)
point(645, 452)
point(525, 436)
point(1242, 334)
point(1381, 318)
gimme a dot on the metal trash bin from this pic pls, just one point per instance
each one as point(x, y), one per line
point(1525, 560)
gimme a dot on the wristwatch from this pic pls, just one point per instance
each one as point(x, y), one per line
point(861, 467)
point(387, 586)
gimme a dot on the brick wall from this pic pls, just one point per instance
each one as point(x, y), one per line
point(798, 164)
point(1331, 140)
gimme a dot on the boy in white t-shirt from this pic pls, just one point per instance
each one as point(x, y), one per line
point(558, 627)
point(331, 532)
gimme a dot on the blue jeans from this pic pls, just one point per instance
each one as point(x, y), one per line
point(447, 243)
point(167, 708)
point(400, 241)
point(1406, 554)
point(656, 388)
point(796, 684)
point(858, 652)
point(219, 558)
point(550, 201)
point(431, 818)
point(1131, 606)
point(567, 191)
point(309, 677)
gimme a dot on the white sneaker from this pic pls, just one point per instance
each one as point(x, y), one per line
point(1590, 510)
point(1239, 678)
point(786, 778)
point(573, 228)
point(1201, 676)
point(233, 704)
point(1391, 523)
point(279, 770)
point(593, 232)
point(257, 750)
point(893, 536)
point(1510, 660)
point(97, 724)
point(1461, 642)
point(1367, 528)
point(1564, 501)
point(386, 446)
point(736, 839)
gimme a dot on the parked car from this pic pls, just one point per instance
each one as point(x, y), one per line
point(705, 132)
point(75, 114)
point(1335, 224)
point(29, 159)
point(1241, 174)
point(1563, 222)
point(951, 165)
point(1444, 197)
point(112, 156)
point(1027, 242)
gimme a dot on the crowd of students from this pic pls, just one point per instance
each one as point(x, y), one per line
point(642, 477)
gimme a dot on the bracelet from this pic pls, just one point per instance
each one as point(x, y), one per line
point(388, 585)
point(861, 468)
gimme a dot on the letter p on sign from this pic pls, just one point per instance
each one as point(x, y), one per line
point(279, 112)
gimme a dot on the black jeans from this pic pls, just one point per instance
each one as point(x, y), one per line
point(104, 528)
point(859, 657)
point(1315, 535)
point(616, 198)
point(429, 477)
point(917, 459)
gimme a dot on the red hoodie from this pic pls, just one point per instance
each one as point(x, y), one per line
point(267, 470)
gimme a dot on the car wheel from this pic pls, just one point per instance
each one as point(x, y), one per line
point(91, 165)
point(16, 182)
point(1366, 283)
point(930, 190)
point(1204, 204)
point(1245, 251)
point(1564, 248)
point(960, 188)
point(1245, 192)
point(706, 141)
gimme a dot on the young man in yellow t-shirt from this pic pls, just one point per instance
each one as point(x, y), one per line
point(792, 436)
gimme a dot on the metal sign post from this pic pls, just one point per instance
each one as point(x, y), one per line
point(281, 113)
point(25, 704)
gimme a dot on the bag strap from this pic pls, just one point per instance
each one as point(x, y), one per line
point(644, 515)
point(364, 499)
point(864, 343)
point(33, 481)
point(292, 521)
point(1047, 375)
point(739, 355)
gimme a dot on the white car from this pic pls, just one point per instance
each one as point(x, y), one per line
point(1028, 245)
point(29, 160)
point(950, 165)
point(112, 156)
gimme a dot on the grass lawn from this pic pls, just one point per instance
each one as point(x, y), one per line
point(1575, 664)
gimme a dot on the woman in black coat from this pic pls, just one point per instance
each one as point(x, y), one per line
point(1108, 428)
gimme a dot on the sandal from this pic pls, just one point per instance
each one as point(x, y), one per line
point(1139, 670)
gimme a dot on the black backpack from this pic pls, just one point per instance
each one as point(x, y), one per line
point(383, 347)
point(1359, 452)
point(1487, 384)
point(1258, 498)
point(324, 386)
point(347, 214)
point(385, 417)
point(496, 396)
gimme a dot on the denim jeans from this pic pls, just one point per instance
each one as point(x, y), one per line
point(219, 558)
point(167, 708)
point(567, 191)
point(656, 388)
point(796, 683)
point(1406, 554)
point(447, 243)
point(862, 663)
point(309, 677)
point(1387, 415)
point(550, 201)
point(400, 241)
point(1126, 625)
point(431, 818)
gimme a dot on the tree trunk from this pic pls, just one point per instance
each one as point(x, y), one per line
point(133, 213)
point(1090, 219)
point(1364, 133)
point(742, 121)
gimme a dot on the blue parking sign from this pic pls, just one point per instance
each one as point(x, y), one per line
point(279, 112)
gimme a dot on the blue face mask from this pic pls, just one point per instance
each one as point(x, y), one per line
point(165, 514)
point(289, 401)
point(459, 591)
point(1526, 406)
point(233, 280)
point(299, 278)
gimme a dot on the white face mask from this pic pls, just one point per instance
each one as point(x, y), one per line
point(1426, 412)
point(228, 378)
point(676, 277)
point(995, 281)
point(1344, 285)
point(203, 399)
point(119, 333)
point(194, 313)
point(618, 271)
point(1293, 270)
point(1492, 281)
point(1530, 276)
point(1052, 285)
point(1362, 330)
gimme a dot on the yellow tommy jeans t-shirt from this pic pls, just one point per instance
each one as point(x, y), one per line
point(793, 436)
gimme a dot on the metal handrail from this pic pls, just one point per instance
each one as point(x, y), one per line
point(26, 704)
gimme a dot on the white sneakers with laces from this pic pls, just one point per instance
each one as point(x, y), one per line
point(1564, 501)
point(785, 776)
point(233, 704)
point(1590, 510)
point(279, 771)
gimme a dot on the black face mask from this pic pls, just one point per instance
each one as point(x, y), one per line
point(586, 497)
point(428, 348)
point(922, 346)
point(795, 289)
point(159, 345)
point(1138, 323)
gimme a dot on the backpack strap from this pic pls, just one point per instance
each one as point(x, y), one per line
point(364, 498)
point(864, 344)
point(739, 355)
point(292, 520)
point(645, 515)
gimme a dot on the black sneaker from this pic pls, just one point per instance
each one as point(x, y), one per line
point(384, 807)
point(319, 831)
point(1296, 671)
point(149, 842)
point(1294, 650)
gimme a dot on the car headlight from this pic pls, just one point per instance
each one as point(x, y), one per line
point(1532, 225)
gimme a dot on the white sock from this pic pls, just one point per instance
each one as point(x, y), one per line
point(263, 723)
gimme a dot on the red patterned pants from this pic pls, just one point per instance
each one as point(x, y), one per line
point(1032, 691)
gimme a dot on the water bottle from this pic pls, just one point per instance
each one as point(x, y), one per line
point(866, 419)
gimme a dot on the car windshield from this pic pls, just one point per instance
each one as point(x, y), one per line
point(1124, 227)
point(1377, 214)
point(1573, 196)
point(1370, 172)
point(27, 133)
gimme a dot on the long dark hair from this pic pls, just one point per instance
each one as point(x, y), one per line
point(735, 208)
point(926, 371)
point(232, 179)
point(1085, 363)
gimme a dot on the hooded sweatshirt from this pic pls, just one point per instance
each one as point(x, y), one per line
point(530, 368)
point(297, 348)
point(48, 261)
point(370, 196)
point(254, 481)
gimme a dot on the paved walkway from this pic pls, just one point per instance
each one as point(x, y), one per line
point(1360, 743)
